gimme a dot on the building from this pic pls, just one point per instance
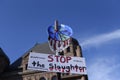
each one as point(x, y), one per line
point(18, 69)
point(4, 61)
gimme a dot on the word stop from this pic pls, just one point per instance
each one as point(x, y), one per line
point(62, 59)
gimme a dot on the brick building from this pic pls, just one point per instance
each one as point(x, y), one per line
point(18, 69)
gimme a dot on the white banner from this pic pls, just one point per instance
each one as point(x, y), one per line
point(55, 63)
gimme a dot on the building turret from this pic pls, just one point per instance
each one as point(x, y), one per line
point(4, 61)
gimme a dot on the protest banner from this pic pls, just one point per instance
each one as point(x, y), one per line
point(55, 63)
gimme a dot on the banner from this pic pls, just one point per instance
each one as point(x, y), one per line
point(55, 63)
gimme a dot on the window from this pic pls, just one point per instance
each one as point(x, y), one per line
point(54, 78)
point(68, 49)
point(26, 66)
point(42, 78)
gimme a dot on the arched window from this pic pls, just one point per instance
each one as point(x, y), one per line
point(54, 78)
point(42, 78)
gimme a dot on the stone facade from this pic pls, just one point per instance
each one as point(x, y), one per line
point(18, 70)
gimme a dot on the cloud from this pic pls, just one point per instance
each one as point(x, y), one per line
point(104, 69)
point(100, 39)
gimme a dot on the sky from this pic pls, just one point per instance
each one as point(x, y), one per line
point(95, 24)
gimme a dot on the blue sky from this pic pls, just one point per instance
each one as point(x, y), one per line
point(95, 25)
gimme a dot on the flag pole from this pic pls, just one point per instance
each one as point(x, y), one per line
point(56, 25)
point(57, 53)
point(56, 29)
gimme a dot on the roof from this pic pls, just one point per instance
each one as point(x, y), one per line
point(38, 48)
point(2, 54)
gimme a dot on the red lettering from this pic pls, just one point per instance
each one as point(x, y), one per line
point(68, 58)
point(62, 59)
point(57, 58)
point(82, 69)
point(50, 58)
